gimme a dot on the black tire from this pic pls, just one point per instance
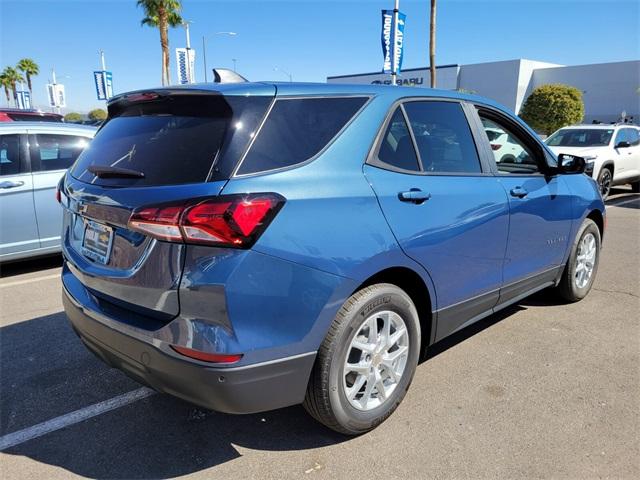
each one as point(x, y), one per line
point(605, 179)
point(326, 399)
point(635, 187)
point(568, 288)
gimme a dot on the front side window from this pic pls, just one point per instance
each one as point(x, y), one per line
point(633, 136)
point(55, 151)
point(580, 137)
point(443, 137)
point(9, 154)
point(628, 135)
point(296, 130)
point(511, 154)
point(396, 149)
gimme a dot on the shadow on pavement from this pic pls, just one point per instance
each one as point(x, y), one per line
point(46, 372)
point(20, 267)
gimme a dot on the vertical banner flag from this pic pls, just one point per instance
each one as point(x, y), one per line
point(55, 92)
point(104, 84)
point(185, 75)
point(51, 95)
point(24, 99)
point(392, 41)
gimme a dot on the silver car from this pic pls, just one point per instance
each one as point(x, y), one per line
point(33, 158)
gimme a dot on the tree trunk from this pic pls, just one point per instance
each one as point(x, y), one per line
point(6, 92)
point(432, 43)
point(164, 44)
point(14, 90)
point(29, 84)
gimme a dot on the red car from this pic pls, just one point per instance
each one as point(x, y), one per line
point(17, 115)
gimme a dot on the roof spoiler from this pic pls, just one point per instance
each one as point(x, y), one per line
point(224, 75)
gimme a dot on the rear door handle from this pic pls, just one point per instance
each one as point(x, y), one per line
point(10, 184)
point(518, 192)
point(415, 195)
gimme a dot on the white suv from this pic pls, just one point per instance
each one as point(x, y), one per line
point(612, 152)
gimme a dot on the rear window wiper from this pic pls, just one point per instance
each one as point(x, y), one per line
point(114, 172)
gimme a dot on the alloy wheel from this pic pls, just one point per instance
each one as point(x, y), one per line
point(585, 260)
point(376, 360)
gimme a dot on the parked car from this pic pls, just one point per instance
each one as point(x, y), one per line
point(505, 148)
point(252, 246)
point(612, 152)
point(18, 115)
point(33, 158)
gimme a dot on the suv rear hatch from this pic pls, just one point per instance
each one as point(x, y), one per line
point(156, 147)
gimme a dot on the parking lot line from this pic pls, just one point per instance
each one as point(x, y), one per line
point(618, 204)
point(21, 436)
point(29, 280)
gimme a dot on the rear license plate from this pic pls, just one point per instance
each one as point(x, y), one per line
point(96, 243)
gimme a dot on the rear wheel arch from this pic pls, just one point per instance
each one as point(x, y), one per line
point(414, 286)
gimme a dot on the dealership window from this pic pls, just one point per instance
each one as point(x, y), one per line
point(443, 137)
point(510, 152)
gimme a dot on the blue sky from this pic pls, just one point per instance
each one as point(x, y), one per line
point(310, 39)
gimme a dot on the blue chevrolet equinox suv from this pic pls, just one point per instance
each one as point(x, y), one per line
point(247, 247)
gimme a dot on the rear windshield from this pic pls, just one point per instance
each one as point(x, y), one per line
point(580, 137)
point(173, 140)
point(297, 129)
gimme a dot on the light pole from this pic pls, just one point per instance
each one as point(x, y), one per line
point(278, 69)
point(234, 64)
point(394, 73)
point(55, 91)
point(190, 76)
point(204, 50)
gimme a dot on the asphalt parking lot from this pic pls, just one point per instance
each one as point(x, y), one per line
point(540, 390)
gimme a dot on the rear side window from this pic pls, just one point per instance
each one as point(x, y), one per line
point(55, 151)
point(443, 137)
point(173, 140)
point(396, 148)
point(298, 129)
point(9, 154)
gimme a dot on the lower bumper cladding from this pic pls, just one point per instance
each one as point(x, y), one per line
point(237, 390)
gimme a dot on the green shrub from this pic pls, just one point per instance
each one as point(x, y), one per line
point(73, 117)
point(97, 114)
point(553, 106)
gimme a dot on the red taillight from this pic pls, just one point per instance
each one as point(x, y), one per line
point(495, 146)
point(207, 357)
point(229, 220)
point(58, 195)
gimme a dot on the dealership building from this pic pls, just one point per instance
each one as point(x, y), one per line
point(609, 89)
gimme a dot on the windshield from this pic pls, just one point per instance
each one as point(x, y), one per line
point(171, 141)
point(580, 137)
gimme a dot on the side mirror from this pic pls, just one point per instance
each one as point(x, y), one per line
point(623, 144)
point(570, 164)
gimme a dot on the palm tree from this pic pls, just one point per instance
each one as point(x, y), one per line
point(30, 69)
point(4, 81)
point(12, 77)
point(432, 43)
point(162, 14)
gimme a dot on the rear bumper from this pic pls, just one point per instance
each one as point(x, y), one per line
point(246, 389)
